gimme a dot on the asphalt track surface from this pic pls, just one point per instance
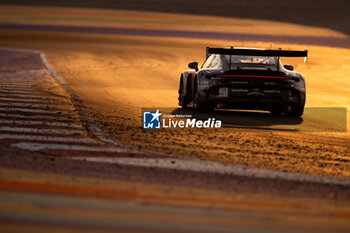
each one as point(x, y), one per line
point(324, 13)
point(50, 135)
point(39, 113)
point(38, 117)
point(305, 40)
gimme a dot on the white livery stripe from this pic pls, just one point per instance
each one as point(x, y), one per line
point(215, 167)
point(41, 123)
point(34, 110)
point(41, 146)
point(37, 117)
point(47, 138)
point(25, 105)
point(36, 130)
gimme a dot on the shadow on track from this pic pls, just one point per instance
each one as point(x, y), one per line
point(243, 119)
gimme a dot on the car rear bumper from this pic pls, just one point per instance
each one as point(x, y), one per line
point(254, 99)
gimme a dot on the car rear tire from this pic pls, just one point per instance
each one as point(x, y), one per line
point(296, 111)
point(197, 105)
point(184, 98)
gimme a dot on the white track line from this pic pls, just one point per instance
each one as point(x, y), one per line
point(41, 146)
point(26, 105)
point(13, 76)
point(28, 86)
point(20, 100)
point(19, 83)
point(16, 83)
point(25, 71)
point(6, 85)
point(31, 85)
point(35, 110)
point(12, 95)
point(36, 117)
point(25, 88)
point(97, 132)
point(21, 92)
point(42, 123)
point(36, 130)
point(17, 88)
point(47, 138)
point(33, 90)
point(215, 167)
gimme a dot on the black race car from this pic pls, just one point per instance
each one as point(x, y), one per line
point(244, 78)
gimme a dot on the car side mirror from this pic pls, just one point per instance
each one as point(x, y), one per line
point(289, 67)
point(193, 65)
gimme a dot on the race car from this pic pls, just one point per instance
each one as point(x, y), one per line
point(244, 78)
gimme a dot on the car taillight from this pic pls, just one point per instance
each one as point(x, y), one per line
point(250, 76)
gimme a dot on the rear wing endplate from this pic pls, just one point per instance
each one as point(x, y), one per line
point(256, 52)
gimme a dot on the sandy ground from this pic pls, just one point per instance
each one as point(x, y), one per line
point(127, 91)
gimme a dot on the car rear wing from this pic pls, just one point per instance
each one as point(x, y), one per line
point(257, 52)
